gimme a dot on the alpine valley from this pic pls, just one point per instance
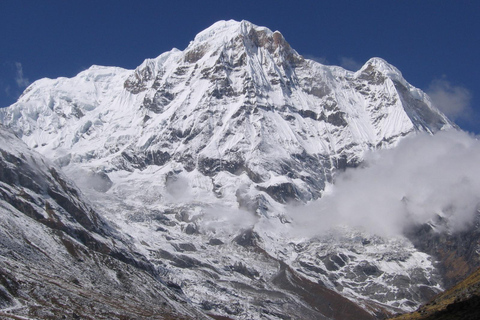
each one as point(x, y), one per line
point(166, 192)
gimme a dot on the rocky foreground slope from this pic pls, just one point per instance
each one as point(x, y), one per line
point(197, 156)
point(462, 301)
point(60, 260)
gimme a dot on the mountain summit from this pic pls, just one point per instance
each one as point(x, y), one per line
point(196, 153)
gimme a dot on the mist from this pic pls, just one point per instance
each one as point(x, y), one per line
point(226, 221)
point(424, 178)
point(178, 189)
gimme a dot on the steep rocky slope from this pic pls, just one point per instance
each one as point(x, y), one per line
point(457, 253)
point(58, 258)
point(197, 154)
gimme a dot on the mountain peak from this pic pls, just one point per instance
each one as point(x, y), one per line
point(245, 33)
point(376, 64)
point(226, 29)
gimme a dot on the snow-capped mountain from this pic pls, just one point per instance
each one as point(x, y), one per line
point(196, 153)
point(238, 101)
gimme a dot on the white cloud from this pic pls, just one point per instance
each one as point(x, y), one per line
point(453, 101)
point(423, 177)
point(20, 79)
point(350, 64)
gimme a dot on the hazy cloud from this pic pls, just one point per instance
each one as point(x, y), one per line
point(423, 178)
point(225, 221)
point(12, 82)
point(20, 79)
point(452, 100)
point(350, 64)
point(178, 188)
point(8, 90)
point(322, 60)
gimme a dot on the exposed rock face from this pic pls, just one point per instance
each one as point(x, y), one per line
point(196, 155)
point(457, 252)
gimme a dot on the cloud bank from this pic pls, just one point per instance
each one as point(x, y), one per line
point(423, 178)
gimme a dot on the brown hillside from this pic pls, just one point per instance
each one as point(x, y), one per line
point(462, 301)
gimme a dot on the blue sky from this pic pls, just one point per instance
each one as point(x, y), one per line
point(436, 44)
